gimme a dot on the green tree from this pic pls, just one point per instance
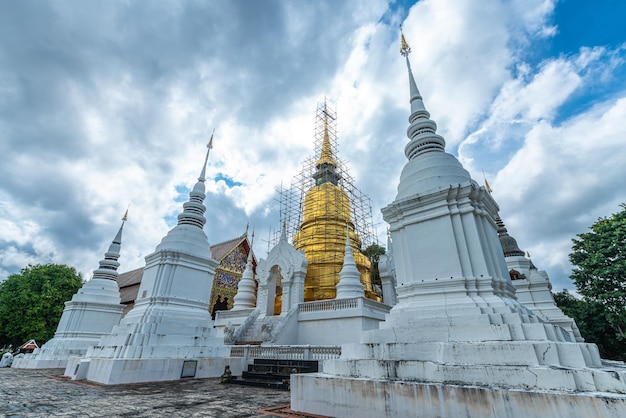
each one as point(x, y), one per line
point(373, 252)
point(31, 302)
point(600, 272)
point(591, 319)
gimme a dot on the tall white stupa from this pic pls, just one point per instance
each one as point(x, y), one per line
point(91, 313)
point(169, 332)
point(457, 343)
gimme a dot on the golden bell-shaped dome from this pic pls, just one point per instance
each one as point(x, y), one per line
point(322, 237)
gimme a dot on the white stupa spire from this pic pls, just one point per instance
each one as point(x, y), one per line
point(246, 297)
point(108, 265)
point(422, 130)
point(193, 210)
point(434, 169)
point(349, 285)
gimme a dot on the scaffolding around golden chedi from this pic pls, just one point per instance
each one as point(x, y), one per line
point(315, 210)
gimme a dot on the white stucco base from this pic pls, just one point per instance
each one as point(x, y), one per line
point(109, 371)
point(34, 363)
point(353, 397)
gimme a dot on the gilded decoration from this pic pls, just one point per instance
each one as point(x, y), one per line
point(227, 276)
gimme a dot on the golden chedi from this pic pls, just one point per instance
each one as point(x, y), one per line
point(322, 235)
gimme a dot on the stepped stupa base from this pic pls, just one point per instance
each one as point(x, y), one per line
point(34, 363)
point(338, 396)
point(55, 353)
point(114, 371)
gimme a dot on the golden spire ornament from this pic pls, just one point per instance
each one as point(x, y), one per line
point(487, 187)
point(405, 49)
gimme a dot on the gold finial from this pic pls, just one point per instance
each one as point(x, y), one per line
point(405, 49)
point(125, 217)
point(487, 183)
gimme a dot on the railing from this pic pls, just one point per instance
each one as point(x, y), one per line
point(246, 324)
point(330, 305)
point(294, 352)
point(284, 323)
point(341, 304)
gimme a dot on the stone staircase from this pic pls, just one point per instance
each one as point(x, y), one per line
point(273, 373)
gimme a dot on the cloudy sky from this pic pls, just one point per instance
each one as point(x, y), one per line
point(110, 104)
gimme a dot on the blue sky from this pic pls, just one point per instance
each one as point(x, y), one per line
point(106, 104)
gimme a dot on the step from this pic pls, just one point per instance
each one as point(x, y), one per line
point(273, 384)
point(313, 364)
point(279, 369)
point(273, 373)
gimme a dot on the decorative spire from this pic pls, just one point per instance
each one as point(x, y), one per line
point(405, 49)
point(326, 164)
point(193, 209)
point(108, 266)
point(326, 156)
point(349, 285)
point(532, 265)
point(209, 147)
point(245, 297)
point(509, 244)
point(487, 183)
point(422, 130)
point(283, 232)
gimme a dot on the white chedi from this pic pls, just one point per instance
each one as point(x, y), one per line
point(91, 313)
point(349, 285)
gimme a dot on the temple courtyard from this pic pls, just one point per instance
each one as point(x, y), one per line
point(45, 393)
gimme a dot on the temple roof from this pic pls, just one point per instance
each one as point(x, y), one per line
point(130, 278)
point(219, 251)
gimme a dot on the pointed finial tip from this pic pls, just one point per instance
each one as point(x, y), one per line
point(405, 49)
point(125, 217)
point(210, 144)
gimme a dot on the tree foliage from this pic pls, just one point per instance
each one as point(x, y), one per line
point(594, 326)
point(31, 302)
point(600, 273)
point(373, 252)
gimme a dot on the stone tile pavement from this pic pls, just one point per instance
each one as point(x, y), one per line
point(45, 393)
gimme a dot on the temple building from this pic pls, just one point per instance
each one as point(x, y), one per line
point(232, 256)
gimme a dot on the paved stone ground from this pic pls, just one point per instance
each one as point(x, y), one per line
point(45, 393)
